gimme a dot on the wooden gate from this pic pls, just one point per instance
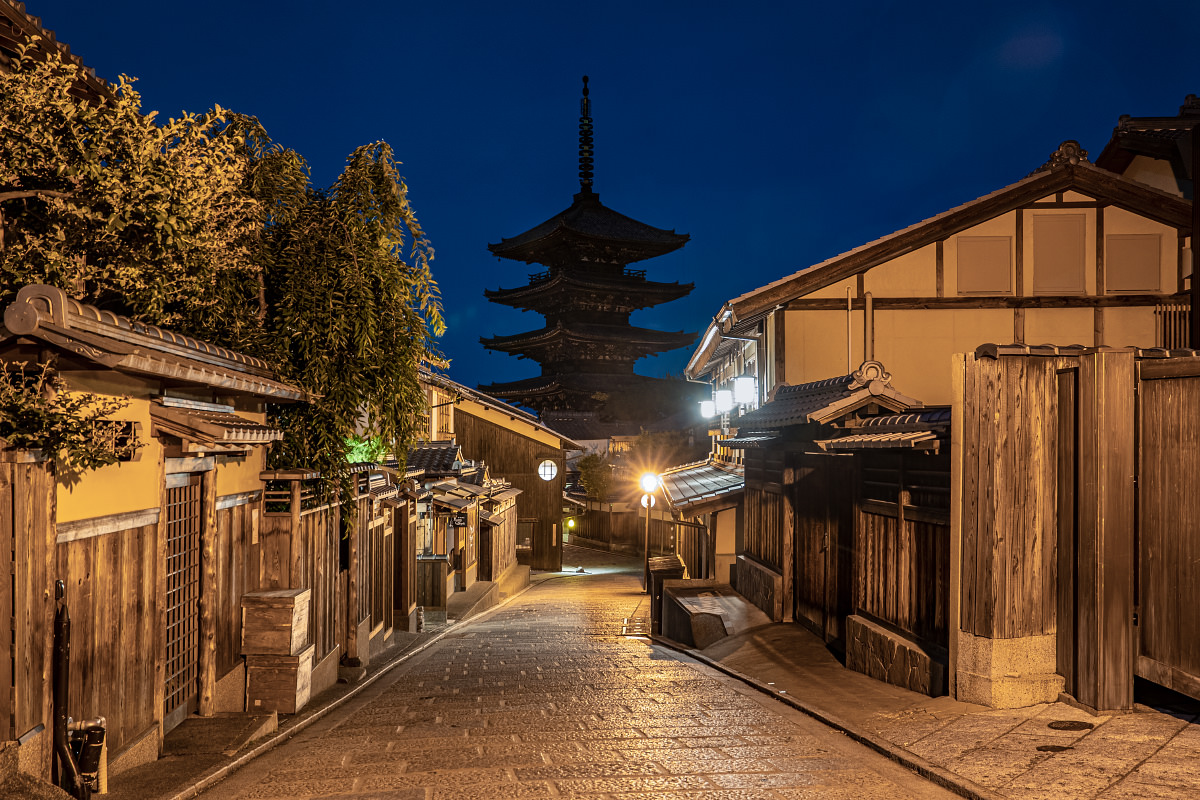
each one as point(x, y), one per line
point(820, 491)
point(183, 523)
point(1167, 578)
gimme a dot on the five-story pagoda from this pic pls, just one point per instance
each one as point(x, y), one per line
point(587, 292)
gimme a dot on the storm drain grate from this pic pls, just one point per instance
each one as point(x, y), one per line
point(638, 626)
point(1070, 725)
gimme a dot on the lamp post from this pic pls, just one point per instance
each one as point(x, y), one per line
point(650, 484)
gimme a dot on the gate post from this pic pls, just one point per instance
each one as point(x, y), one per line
point(1105, 556)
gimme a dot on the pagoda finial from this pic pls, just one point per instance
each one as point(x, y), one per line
point(585, 139)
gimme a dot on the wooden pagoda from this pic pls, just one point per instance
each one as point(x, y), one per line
point(587, 347)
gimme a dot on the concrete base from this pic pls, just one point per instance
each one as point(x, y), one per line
point(1007, 673)
point(230, 693)
point(699, 613)
point(514, 579)
point(363, 637)
point(886, 656)
point(223, 733)
point(144, 750)
point(325, 673)
point(761, 586)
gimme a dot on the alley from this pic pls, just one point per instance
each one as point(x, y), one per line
point(545, 697)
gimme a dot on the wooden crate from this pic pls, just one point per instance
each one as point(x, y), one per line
point(279, 683)
point(275, 622)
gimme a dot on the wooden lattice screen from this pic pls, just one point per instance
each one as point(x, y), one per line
point(183, 597)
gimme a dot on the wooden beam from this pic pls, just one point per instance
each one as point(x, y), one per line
point(998, 301)
point(207, 660)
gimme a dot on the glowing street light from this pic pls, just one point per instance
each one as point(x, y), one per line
point(708, 408)
point(723, 400)
point(649, 483)
point(744, 389)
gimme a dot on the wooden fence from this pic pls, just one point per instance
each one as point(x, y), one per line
point(625, 531)
point(26, 575)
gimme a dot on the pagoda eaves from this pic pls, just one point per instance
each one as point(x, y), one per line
point(573, 291)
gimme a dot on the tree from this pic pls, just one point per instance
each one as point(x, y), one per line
point(595, 473)
point(123, 212)
point(203, 224)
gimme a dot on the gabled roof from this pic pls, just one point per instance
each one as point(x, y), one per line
point(18, 27)
point(589, 231)
point(92, 336)
point(210, 430)
point(822, 402)
point(1167, 138)
point(704, 486)
point(922, 430)
point(1063, 172)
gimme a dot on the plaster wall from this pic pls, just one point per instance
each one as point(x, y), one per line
point(118, 488)
point(837, 289)
point(910, 275)
point(725, 543)
point(1154, 172)
point(1118, 221)
point(1003, 225)
point(1129, 327)
point(1062, 326)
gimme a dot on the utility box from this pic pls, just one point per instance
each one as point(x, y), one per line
point(275, 622)
point(662, 568)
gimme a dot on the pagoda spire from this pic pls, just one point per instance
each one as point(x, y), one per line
point(585, 140)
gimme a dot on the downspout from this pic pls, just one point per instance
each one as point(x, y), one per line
point(1194, 342)
point(868, 328)
point(849, 344)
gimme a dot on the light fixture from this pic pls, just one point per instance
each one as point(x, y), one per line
point(723, 400)
point(547, 470)
point(708, 408)
point(649, 482)
point(744, 389)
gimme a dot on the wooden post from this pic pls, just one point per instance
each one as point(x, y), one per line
point(352, 620)
point(1105, 555)
point(1194, 340)
point(160, 602)
point(207, 657)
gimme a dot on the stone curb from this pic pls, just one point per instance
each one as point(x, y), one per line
point(931, 772)
point(217, 774)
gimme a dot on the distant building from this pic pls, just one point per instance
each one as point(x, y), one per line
point(587, 347)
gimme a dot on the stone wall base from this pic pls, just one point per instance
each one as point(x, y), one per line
point(325, 672)
point(889, 657)
point(1007, 673)
point(230, 692)
point(762, 586)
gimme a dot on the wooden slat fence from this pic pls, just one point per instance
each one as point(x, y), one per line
point(26, 575)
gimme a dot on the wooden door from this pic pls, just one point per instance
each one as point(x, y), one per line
point(184, 518)
point(1168, 535)
point(821, 496)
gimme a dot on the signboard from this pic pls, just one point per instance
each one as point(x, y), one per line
point(459, 520)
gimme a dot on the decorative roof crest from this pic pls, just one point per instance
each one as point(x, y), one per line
point(869, 373)
point(1069, 152)
point(585, 139)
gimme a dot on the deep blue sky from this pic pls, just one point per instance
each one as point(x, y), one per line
point(776, 134)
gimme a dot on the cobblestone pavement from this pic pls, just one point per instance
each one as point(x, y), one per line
point(545, 697)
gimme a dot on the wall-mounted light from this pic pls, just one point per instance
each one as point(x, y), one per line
point(745, 389)
point(723, 400)
point(708, 408)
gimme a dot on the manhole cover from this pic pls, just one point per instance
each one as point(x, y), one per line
point(1070, 725)
point(1053, 748)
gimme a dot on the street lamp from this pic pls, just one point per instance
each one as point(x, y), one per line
point(650, 483)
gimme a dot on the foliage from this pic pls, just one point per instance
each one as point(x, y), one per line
point(364, 449)
point(595, 473)
point(38, 413)
point(351, 309)
point(120, 211)
point(203, 224)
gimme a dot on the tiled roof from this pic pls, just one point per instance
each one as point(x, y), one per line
point(924, 430)
point(589, 231)
point(627, 337)
point(211, 430)
point(433, 457)
point(125, 345)
point(825, 400)
point(689, 486)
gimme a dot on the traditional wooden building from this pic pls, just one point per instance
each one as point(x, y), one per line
point(586, 292)
point(1071, 254)
point(516, 447)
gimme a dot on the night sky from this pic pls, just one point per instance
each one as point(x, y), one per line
point(775, 134)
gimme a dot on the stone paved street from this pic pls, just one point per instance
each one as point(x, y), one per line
point(545, 697)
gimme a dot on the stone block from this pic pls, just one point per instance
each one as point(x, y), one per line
point(762, 586)
point(1007, 673)
point(889, 657)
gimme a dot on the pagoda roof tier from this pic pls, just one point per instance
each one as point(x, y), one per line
point(564, 391)
point(588, 341)
point(572, 291)
point(589, 231)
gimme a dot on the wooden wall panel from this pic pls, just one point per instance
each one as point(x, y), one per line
point(110, 589)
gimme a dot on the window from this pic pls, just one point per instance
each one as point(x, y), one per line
point(985, 265)
point(1058, 253)
point(547, 470)
point(1132, 262)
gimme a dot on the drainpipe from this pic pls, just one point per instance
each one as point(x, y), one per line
point(1194, 341)
point(66, 772)
point(849, 344)
point(868, 328)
